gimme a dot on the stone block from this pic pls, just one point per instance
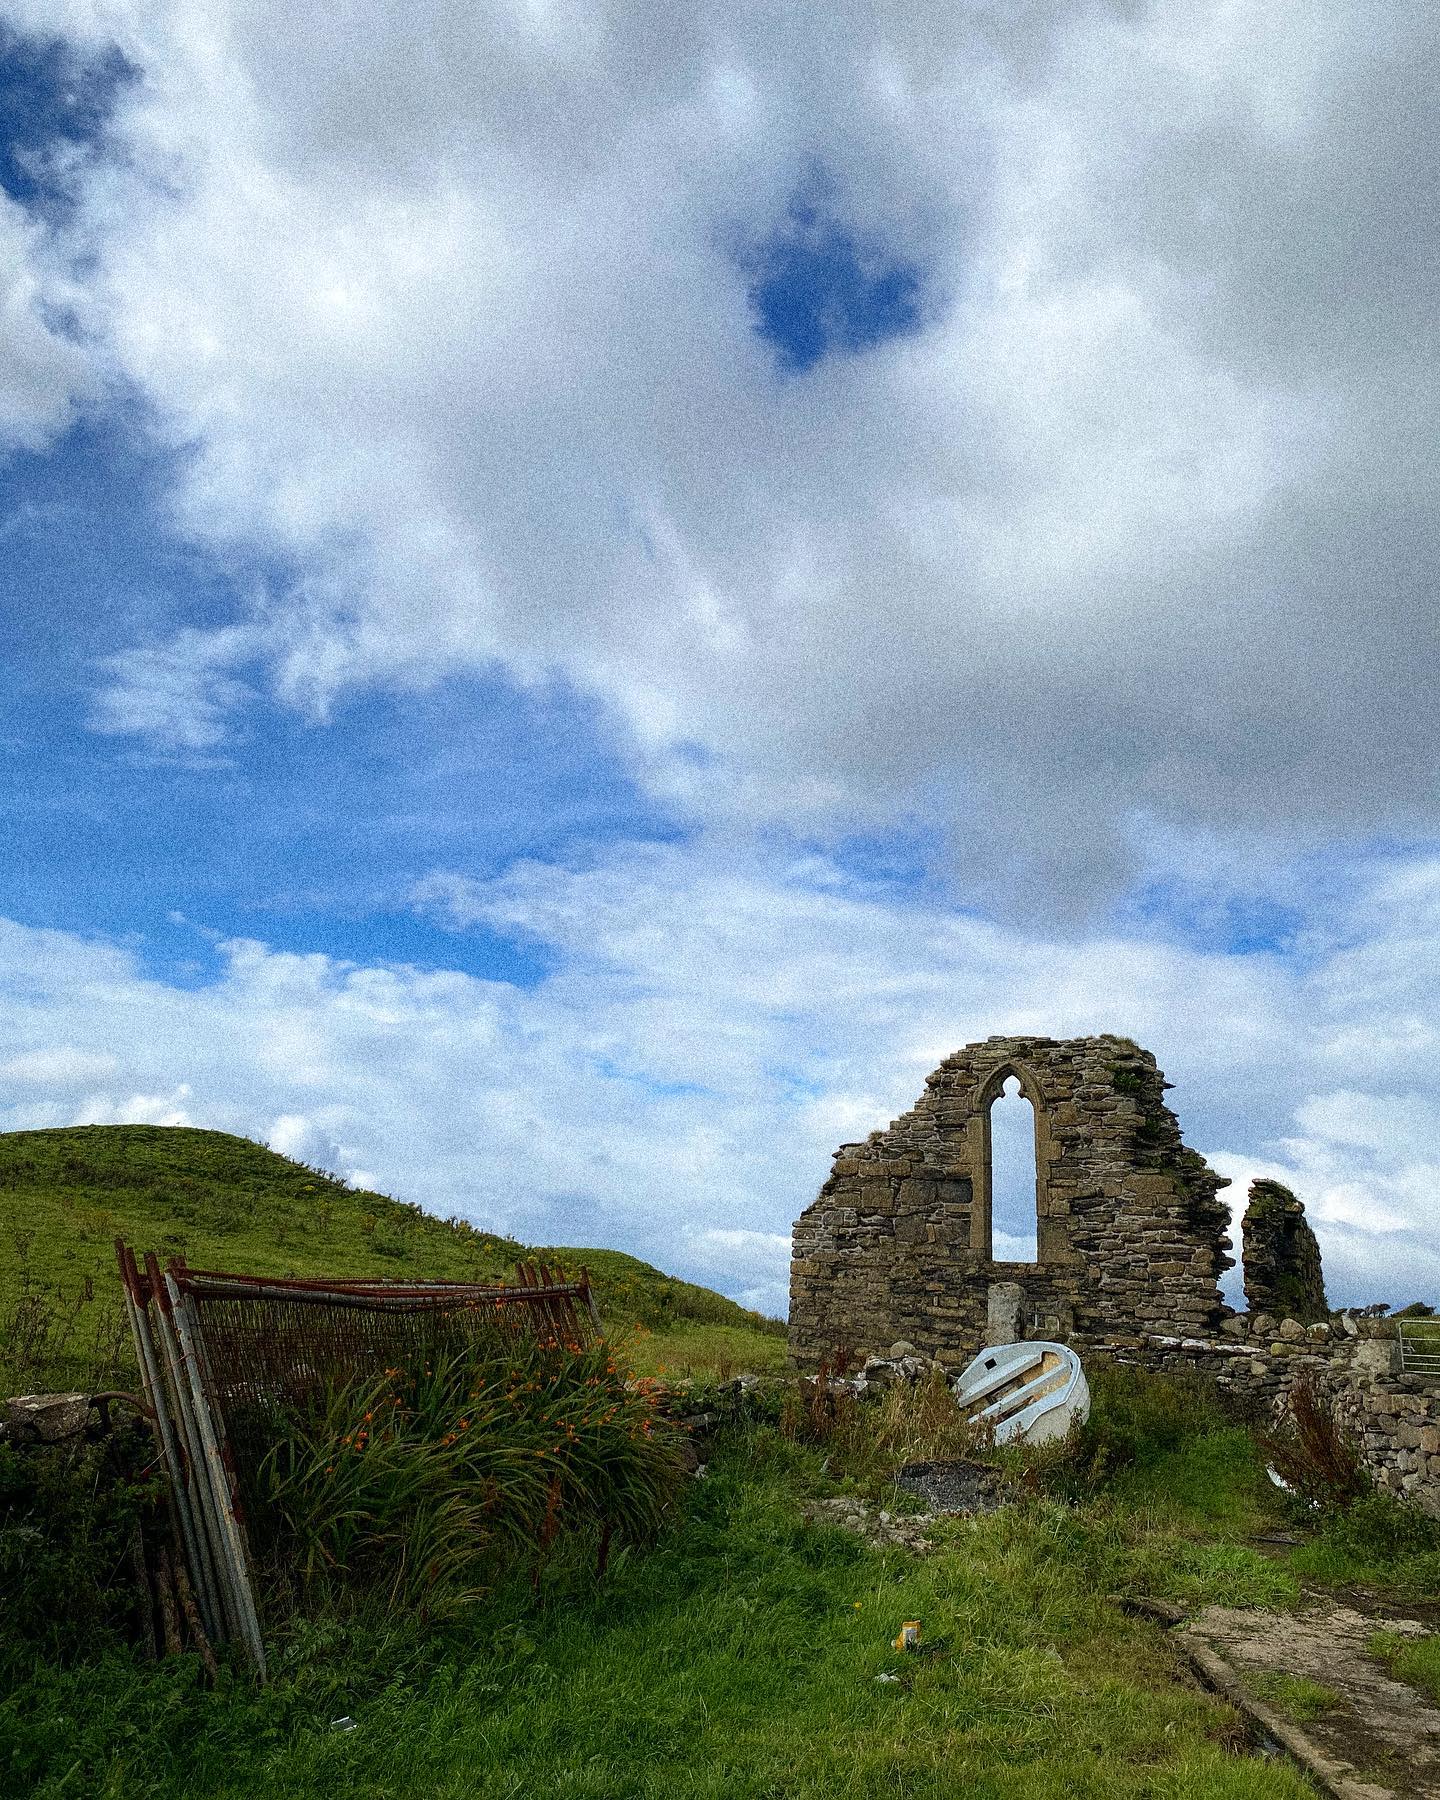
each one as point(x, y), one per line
point(47, 1418)
point(1376, 1356)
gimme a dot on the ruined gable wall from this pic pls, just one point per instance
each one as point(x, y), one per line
point(1129, 1231)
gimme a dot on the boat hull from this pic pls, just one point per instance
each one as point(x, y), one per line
point(1027, 1393)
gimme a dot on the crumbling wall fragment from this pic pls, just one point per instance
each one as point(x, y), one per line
point(1281, 1257)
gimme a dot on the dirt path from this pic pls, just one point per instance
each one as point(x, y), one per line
point(1386, 1733)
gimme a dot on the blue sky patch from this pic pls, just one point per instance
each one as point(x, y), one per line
point(308, 837)
point(818, 288)
point(49, 100)
point(1234, 924)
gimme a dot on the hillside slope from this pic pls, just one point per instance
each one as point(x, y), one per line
point(227, 1203)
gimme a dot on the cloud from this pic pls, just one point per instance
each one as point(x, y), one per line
point(180, 694)
point(1108, 577)
point(60, 1066)
point(1131, 539)
point(712, 1026)
point(295, 1136)
point(44, 372)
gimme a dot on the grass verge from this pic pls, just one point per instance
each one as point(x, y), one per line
point(743, 1655)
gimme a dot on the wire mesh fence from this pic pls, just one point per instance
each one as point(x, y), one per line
point(222, 1354)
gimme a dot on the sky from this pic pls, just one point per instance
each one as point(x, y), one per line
point(589, 588)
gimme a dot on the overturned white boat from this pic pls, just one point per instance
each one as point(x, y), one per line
point(1025, 1393)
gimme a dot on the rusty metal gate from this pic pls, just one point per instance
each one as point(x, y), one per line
point(218, 1352)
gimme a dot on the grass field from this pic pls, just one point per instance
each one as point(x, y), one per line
point(225, 1202)
point(746, 1653)
point(742, 1658)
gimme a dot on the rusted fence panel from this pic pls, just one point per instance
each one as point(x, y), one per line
point(221, 1353)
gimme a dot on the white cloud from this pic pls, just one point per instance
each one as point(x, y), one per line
point(134, 1109)
point(714, 1024)
point(294, 1135)
point(180, 694)
point(60, 1066)
point(44, 372)
point(1137, 528)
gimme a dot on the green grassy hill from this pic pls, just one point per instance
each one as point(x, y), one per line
point(226, 1203)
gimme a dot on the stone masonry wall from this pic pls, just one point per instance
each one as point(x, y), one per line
point(1129, 1230)
point(1355, 1360)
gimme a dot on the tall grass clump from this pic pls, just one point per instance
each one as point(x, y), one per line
point(413, 1489)
point(1311, 1451)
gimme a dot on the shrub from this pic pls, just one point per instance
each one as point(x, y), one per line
point(1136, 1417)
point(1378, 1540)
point(410, 1489)
point(70, 1519)
point(1311, 1451)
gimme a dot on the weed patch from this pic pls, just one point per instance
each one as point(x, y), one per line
point(1412, 1660)
point(1313, 1453)
point(1376, 1541)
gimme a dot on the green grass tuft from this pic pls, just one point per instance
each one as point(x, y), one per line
point(1413, 1660)
point(1295, 1696)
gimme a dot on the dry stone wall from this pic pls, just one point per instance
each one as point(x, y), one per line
point(1352, 1359)
point(1129, 1230)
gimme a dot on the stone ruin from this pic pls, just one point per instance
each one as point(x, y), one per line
point(1129, 1231)
point(1131, 1242)
point(1282, 1258)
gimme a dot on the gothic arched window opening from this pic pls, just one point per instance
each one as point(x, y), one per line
point(1013, 1213)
